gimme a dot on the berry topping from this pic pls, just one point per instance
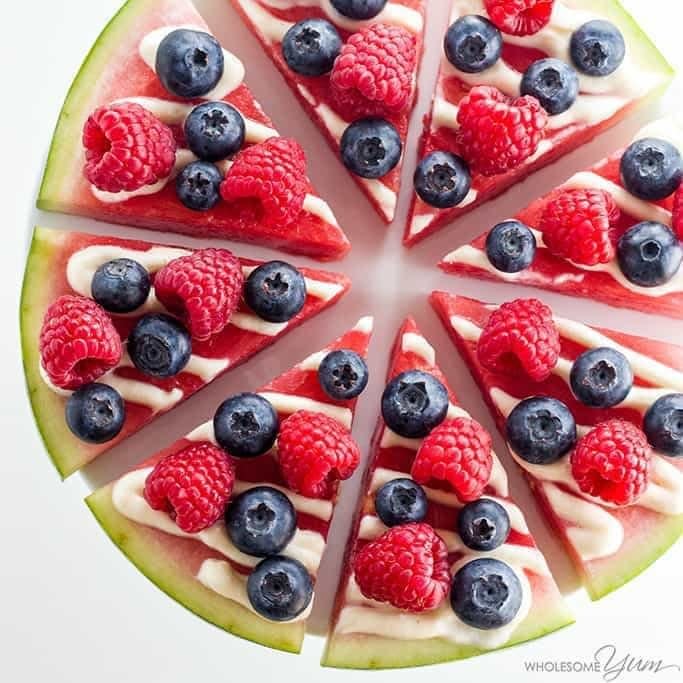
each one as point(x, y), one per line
point(457, 452)
point(279, 588)
point(315, 451)
point(483, 524)
point(612, 462)
point(519, 17)
point(370, 148)
point(497, 133)
point(271, 175)
point(601, 378)
point(677, 214)
point(486, 593)
point(310, 47)
point(520, 332)
point(649, 254)
point(246, 425)
point(580, 225)
point(95, 413)
point(198, 186)
point(275, 291)
point(442, 179)
point(78, 342)
point(159, 345)
point(651, 168)
point(553, 83)
point(663, 425)
point(541, 430)
point(400, 501)
point(126, 148)
point(121, 285)
point(343, 374)
point(189, 63)
point(214, 131)
point(193, 485)
point(511, 246)
point(203, 289)
point(261, 521)
point(407, 566)
point(472, 44)
point(374, 72)
point(413, 403)
point(359, 9)
point(597, 48)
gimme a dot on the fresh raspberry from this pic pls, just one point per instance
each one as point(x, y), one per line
point(458, 452)
point(580, 225)
point(273, 175)
point(612, 462)
point(525, 330)
point(497, 133)
point(677, 217)
point(203, 288)
point(78, 342)
point(126, 148)
point(193, 485)
point(374, 71)
point(406, 566)
point(519, 17)
point(315, 451)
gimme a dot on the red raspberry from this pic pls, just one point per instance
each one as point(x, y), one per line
point(126, 148)
point(497, 133)
point(612, 462)
point(677, 217)
point(273, 174)
point(374, 71)
point(193, 485)
point(458, 452)
point(315, 451)
point(580, 225)
point(519, 17)
point(78, 342)
point(203, 288)
point(524, 329)
point(406, 566)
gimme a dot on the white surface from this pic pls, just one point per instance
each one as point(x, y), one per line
point(72, 608)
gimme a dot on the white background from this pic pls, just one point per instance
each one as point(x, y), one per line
point(72, 608)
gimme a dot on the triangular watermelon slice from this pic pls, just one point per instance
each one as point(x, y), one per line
point(64, 263)
point(207, 573)
point(115, 70)
point(269, 21)
point(602, 101)
point(365, 634)
point(609, 545)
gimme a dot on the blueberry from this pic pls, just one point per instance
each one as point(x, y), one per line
point(472, 44)
point(442, 179)
point(663, 425)
point(311, 46)
point(159, 345)
point(413, 403)
point(597, 48)
point(246, 425)
point(553, 83)
point(189, 63)
point(541, 430)
point(121, 285)
point(197, 186)
point(370, 147)
point(275, 291)
point(261, 521)
point(651, 168)
point(483, 524)
point(279, 588)
point(486, 593)
point(214, 131)
point(401, 501)
point(343, 374)
point(95, 413)
point(511, 246)
point(601, 378)
point(359, 9)
point(649, 254)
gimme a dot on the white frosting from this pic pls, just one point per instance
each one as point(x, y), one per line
point(288, 404)
point(417, 344)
